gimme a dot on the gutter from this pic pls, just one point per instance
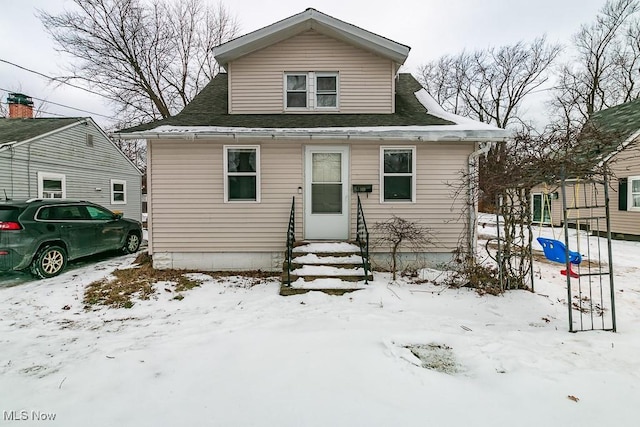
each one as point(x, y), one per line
point(7, 145)
point(433, 136)
point(473, 206)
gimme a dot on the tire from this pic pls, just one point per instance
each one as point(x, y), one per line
point(131, 243)
point(49, 262)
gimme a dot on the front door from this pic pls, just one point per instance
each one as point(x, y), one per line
point(541, 205)
point(326, 200)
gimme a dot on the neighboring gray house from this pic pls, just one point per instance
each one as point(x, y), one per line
point(66, 158)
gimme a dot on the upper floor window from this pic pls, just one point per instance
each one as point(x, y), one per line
point(297, 91)
point(311, 91)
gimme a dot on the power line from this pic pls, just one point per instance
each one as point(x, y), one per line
point(65, 106)
point(56, 79)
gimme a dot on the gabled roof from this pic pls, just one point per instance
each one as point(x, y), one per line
point(18, 130)
point(210, 106)
point(416, 116)
point(310, 19)
point(618, 126)
point(15, 132)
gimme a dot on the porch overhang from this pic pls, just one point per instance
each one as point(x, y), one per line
point(452, 133)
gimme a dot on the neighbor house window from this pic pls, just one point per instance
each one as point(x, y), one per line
point(52, 185)
point(242, 173)
point(311, 91)
point(633, 203)
point(118, 192)
point(398, 174)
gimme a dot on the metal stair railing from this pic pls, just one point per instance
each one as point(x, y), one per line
point(362, 238)
point(291, 239)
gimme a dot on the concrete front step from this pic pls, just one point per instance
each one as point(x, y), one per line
point(330, 267)
point(331, 286)
point(327, 258)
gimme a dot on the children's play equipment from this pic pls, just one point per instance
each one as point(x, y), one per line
point(587, 229)
point(556, 251)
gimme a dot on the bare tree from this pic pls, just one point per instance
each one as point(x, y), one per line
point(149, 57)
point(489, 85)
point(605, 70)
point(398, 232)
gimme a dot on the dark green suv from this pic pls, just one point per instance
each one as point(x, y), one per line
point(43, 234)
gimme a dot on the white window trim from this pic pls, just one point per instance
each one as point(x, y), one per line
point(52, 176)
point(413, 172)
point(630, 206)
point(226, 149)
point(285, 91)
point(315, 94)
point(311, 90)
point(124, 187)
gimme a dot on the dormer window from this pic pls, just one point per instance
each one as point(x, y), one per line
point(315, 91)
point(297, 91)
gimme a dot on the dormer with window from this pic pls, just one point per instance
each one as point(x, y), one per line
point(311, 63)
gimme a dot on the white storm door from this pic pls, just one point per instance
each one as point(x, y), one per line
point(326, 199)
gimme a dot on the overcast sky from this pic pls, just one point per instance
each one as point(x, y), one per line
point(430, 27)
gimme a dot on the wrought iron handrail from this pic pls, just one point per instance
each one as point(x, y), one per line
point(362, 238)
point(291, 238)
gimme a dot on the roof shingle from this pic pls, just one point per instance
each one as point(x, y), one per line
point(210, 108)
point(17, 130)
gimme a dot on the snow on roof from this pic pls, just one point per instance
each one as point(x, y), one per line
point(464, 130)
point(435, 109)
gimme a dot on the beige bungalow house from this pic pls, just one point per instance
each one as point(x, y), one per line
point(618, 147)
point(311, 116)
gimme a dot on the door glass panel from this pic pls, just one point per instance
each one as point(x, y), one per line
point(537, 208)
point(326, 167)
point(326, 185)
point(326, 198)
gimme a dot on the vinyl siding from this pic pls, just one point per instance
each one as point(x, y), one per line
point(624, 164)
point(189, 214)
point(256, 83)
point(85, 168)
point(439, 168)
point(187, 199)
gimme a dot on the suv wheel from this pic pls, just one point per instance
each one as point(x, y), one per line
point(49, 262)
point(132, 244)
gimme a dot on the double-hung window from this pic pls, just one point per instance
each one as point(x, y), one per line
point(242, 173)
point(118, 192)
point(633, 203)
point(296, 90)
point(52, 185)
point(398, 174)
point(311, 91)
point(326, 90)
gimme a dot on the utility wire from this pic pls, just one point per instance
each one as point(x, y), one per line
point(65, 106)
point(56, 79)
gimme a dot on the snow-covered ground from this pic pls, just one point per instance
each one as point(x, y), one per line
point(231, 354)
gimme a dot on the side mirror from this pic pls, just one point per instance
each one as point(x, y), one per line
point(117, 215)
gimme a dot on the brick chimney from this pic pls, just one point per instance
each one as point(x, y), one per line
point(20, 106)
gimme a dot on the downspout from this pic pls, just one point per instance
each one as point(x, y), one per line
point(29, 170)
point(473, 184)
point(11, 155)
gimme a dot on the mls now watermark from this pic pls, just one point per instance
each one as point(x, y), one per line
point(24, 415)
